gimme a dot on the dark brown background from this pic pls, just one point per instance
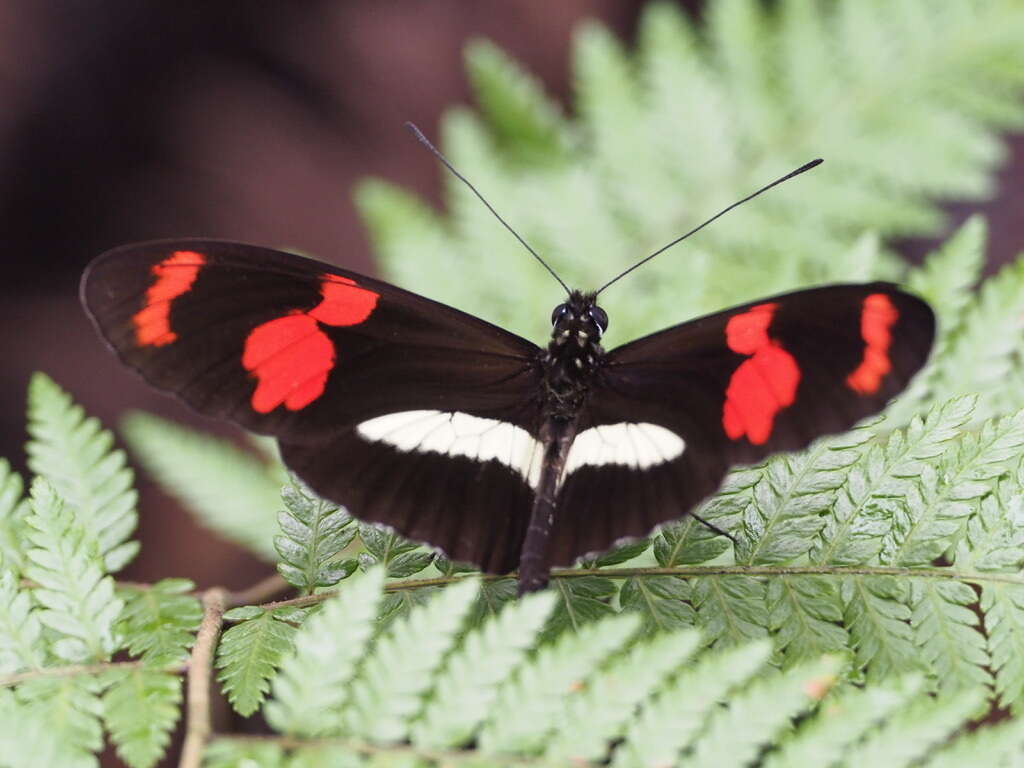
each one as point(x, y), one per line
point(123, 120)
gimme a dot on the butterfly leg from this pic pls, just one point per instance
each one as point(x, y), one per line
point(534, 560)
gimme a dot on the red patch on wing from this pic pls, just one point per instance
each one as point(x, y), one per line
point(877, 317)
point(291, 356)
point(763, 384)
point(174, 277)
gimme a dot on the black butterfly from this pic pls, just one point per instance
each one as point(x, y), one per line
point(460, 434)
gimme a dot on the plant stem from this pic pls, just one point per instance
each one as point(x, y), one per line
point(200, 671)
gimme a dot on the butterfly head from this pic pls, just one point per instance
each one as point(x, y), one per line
point(578, 321)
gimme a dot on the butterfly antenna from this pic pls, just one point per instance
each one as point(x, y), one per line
point(444, 161)
point(787, 177)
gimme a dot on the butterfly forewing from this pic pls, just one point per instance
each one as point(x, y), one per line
point(294, 348)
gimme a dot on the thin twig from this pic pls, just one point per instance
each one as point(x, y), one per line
point(947, 574)
point(73, 670)
point(200, 671)
point(259, 592)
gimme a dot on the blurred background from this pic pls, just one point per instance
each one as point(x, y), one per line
point(124, 121)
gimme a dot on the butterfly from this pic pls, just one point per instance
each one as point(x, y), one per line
point(495, 450)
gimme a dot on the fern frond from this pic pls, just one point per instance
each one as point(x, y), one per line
point(388, 689)
point(842, 720)
point(140, 709)
point(1003, 607)
point(77, 599)
point(469, 682)
point(663, 601)
point(159, 623)
point(527, 124)
point(805, 615)
point(946, 631)
point(71, 709)
point(529, 701)
point(231, 491)
point(21, 644)
point(757, 716)
point(1000, 745)
point(313, 682)
point(789, 499)
point(916, 729)
point(667, 724)
point(698, 115)
point(731, 610)
point(399, 556)
point(13, 510)
point(249, 654)
point(580, 601)
point(77, 456)
point(855, 526)
point(877, 616)
point(313, 532)
point(600, 712)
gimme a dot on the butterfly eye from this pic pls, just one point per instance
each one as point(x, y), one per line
point(600, 317)
point(559, 312)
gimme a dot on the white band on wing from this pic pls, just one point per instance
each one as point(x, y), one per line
point(459, 434)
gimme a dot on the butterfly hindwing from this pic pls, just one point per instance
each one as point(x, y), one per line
point(734, 387)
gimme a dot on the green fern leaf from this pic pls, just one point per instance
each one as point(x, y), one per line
point(388, 689)
point(249, 654)
point(755, 717)
point(313, 682)
point(691, 542)
point(527, 124)
point(878, 620)
point(925, 527)
point(314, 531)
point(841, 721)
point(230, 754)
point(140, 709)
point(996, 745)
point(668, 723)
point(71, 708)
point(494, 595)
point(531, 699)
point(27, 724)
point(946, 631)
point(399, 556)
point(982, 353)
point(792, 494)
point(13, 510)
point(1003, 607)
point(853, 530)
point(581, 600)
point(20, 630)
point(731, 609)
point(78, 601)
point(805, 615)
point(662, 601)
point(159, 623)
point(600, 712)
point(229, 490)
point(468, 684)
point(916, 729)
point(77, 456)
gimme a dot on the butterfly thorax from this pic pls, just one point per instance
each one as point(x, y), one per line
point(573, 354)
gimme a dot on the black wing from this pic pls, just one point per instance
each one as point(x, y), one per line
point(734, 387)
point(307, 352)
